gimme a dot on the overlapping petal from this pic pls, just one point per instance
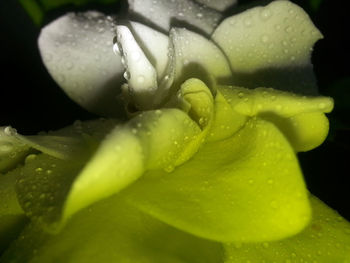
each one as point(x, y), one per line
point(197, 57)
point(326, 239)
point(76, 50)
point(12, 219)
point(270, 47)
point(300, 118)
point(234, 196)
point(217, 163)
point(51, 190)
point(112, 231)
point(221, 5)
point(167, 14)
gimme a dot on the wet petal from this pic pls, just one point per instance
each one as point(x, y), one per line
point(221, 5)
point(77, 51)
point(139, 72)
point(111, 231)
point(197, 57)
point(12, 218)
point(300, 118)
point(326, 239)
point(158, 51)
point(51, 190)
point(270, 47)
point(253, 192)
point(155, 45)
point(167, 14)
point(12, 149)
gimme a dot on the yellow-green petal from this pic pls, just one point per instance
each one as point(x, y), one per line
point(325, 240)
point(51, 190)
point(12, 149)
point(111, 231)
point(247, 187)
point(300, 118)
point(12, 218)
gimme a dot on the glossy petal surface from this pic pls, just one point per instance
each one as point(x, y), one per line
point(300, 118)
point(51, 190)
point(221, 5)
point(270, 47)
point(325, 240)
point(246, 188)
point(139, 72)
point(167, 14)
point(197, 57)
point(111, 231)
point(77, 51)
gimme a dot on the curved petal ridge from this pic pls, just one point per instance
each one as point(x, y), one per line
point(77, 51)
point(270, 47)
point(167, 14)
point(326, 239)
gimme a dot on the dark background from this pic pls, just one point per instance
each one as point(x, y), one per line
point(32, 102)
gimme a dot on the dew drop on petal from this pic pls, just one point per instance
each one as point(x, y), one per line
point(264, 38)
point(265, 14)
point(126, 75)
point(116, 49)
point(140, 79)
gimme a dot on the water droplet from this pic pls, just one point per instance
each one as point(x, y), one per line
point(6, 147)
point(278, 107)
point(116, 49)
point(140, 79)
point(264, 38)
point(201, 121)
point(288, 29)
point(240, 95)
point(126, 75)
point(265, 245)
point(199, 15)
point(169, 168)
point(265, 14)
point(321, 106)
point(39, 170)
point(30, 158)
point(247, 22)
point(9, 131)
point(69, 65)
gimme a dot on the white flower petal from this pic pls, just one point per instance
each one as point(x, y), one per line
point(166, 14)
point(220, 5)
point(270, 46)
point(77, 51)
point(154, 44)
point(140, 73)
point(197, 57)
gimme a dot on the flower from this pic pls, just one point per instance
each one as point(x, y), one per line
point(204, 171)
